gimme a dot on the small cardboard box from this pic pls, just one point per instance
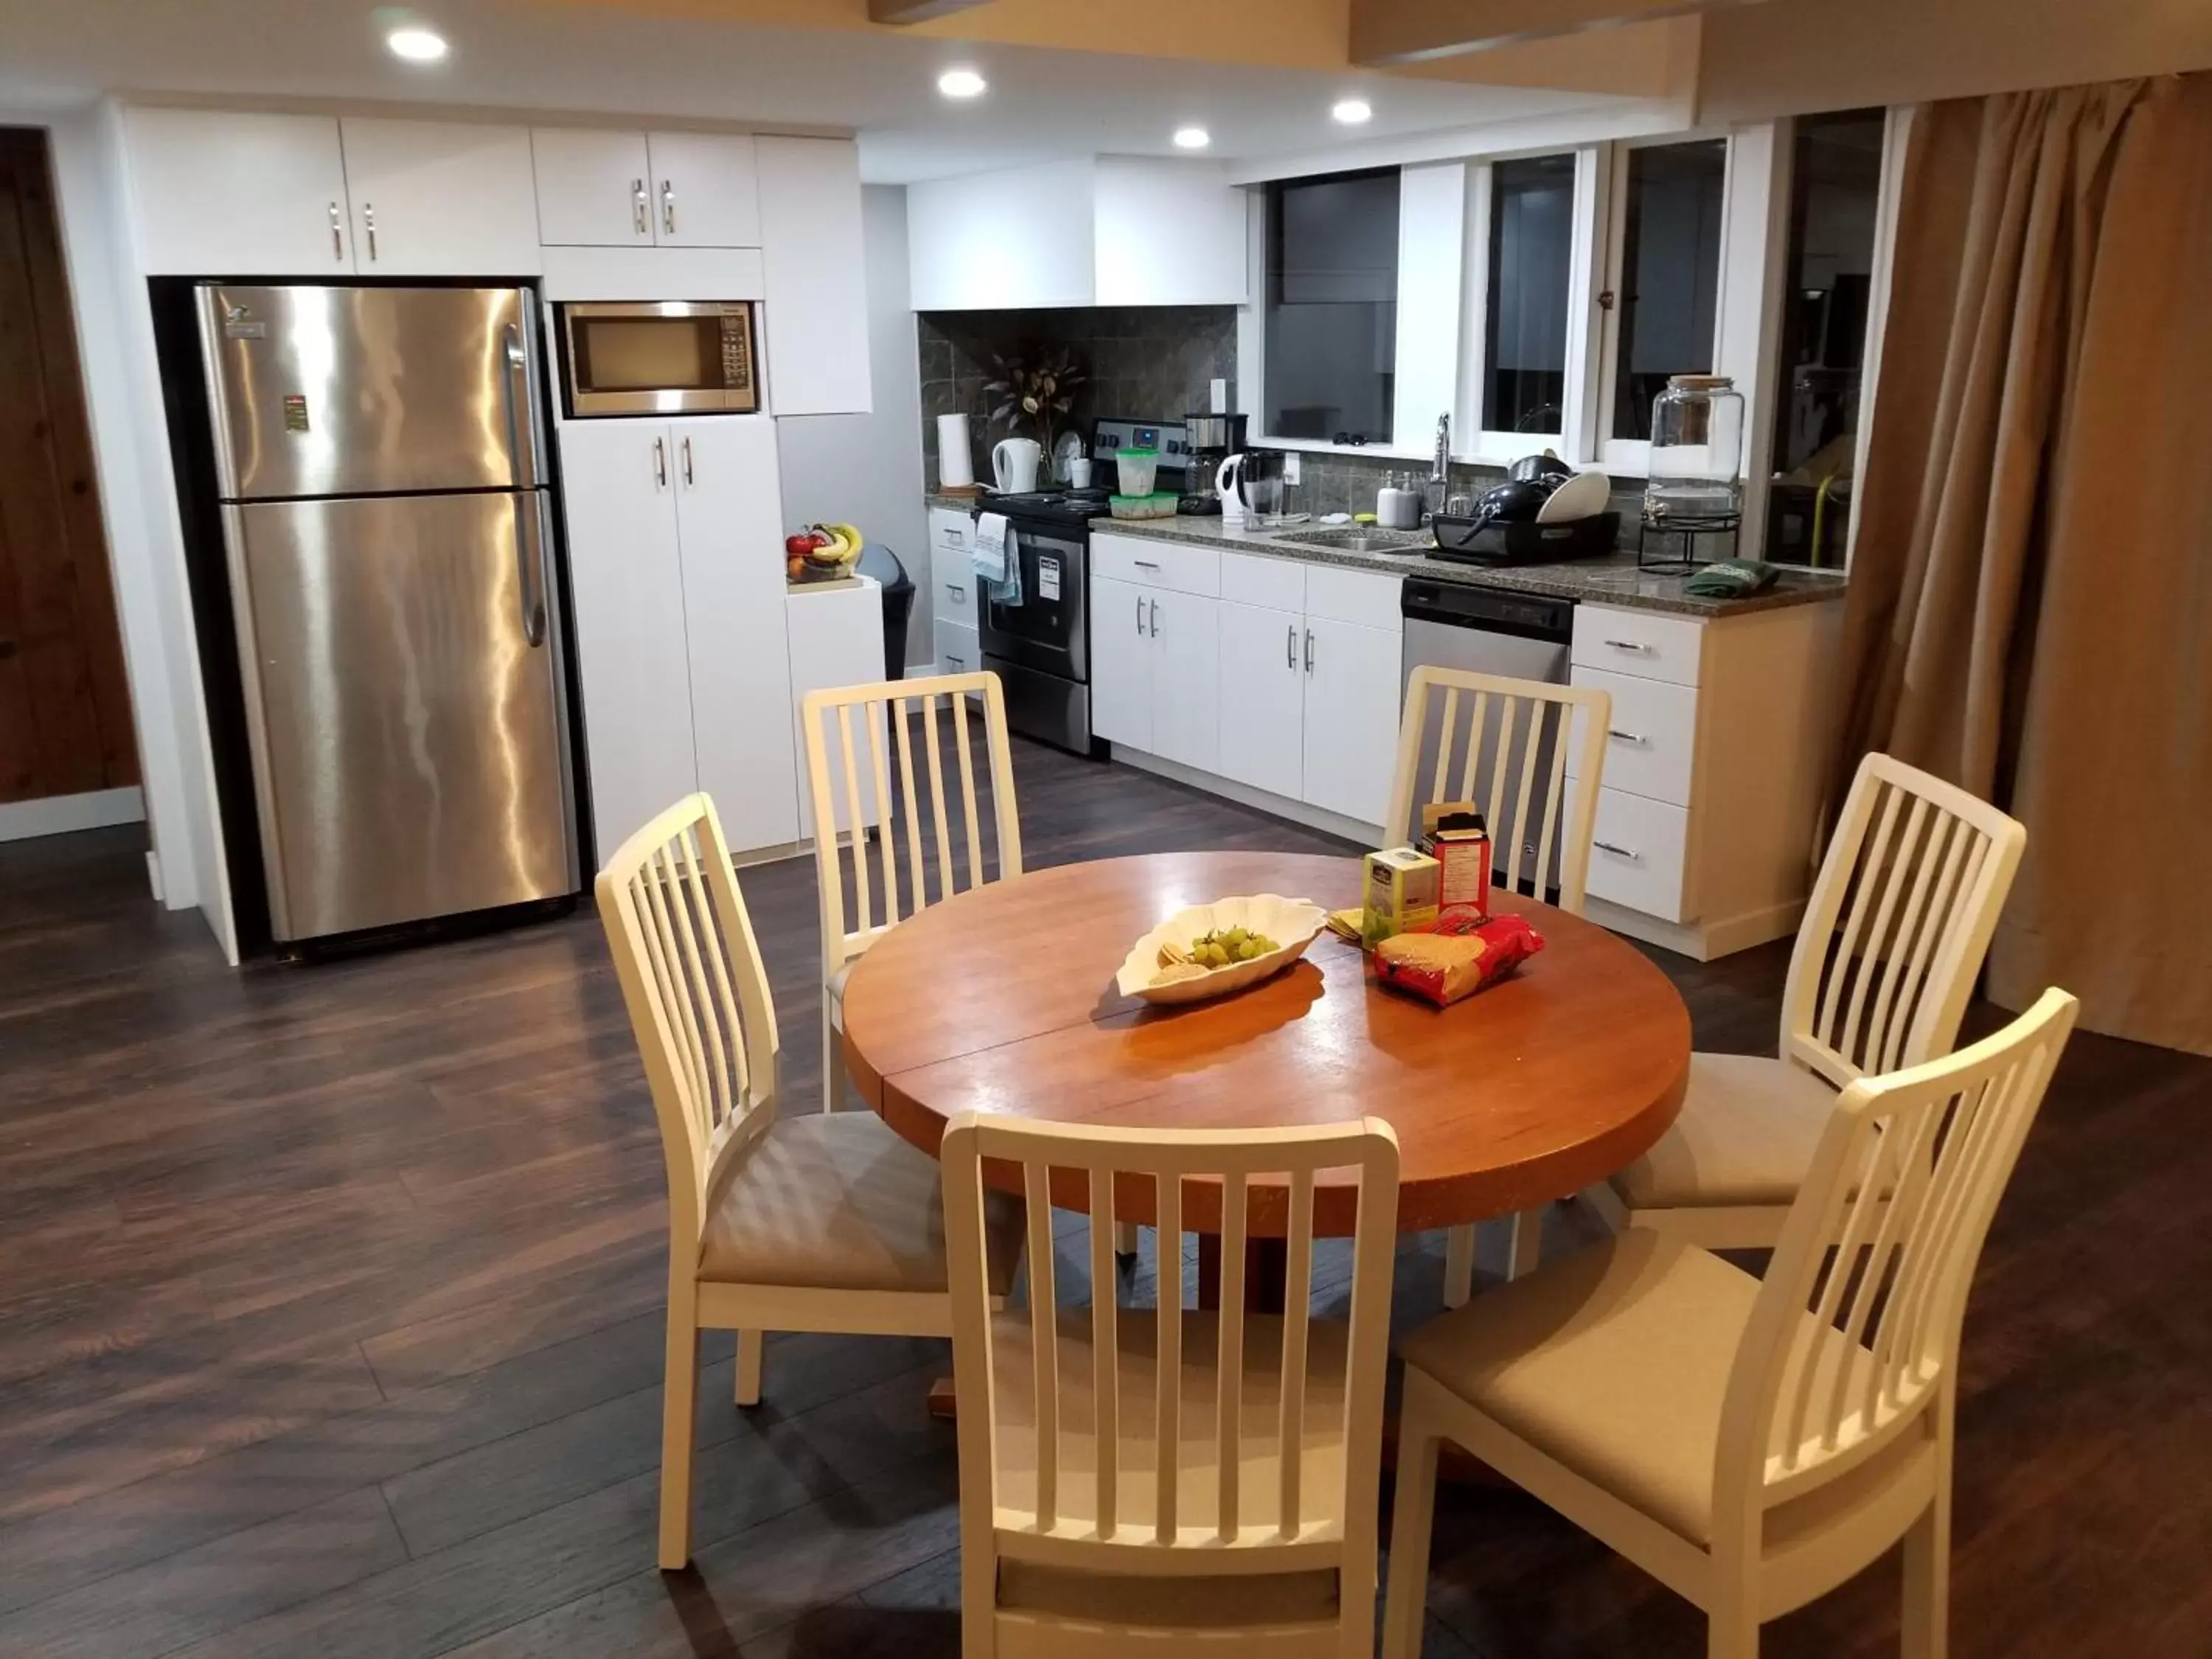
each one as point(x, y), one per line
point(1462, 851)
point(1402, 887)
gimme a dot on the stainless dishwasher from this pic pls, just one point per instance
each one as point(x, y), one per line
point(1520, 636)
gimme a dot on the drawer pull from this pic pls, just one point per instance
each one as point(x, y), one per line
point(1636, 738)
point(960, 593)
point(1144, 564)
point(1630, 645)
point(1630, 853)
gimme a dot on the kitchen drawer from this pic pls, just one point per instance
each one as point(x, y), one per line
point(952, 592)
point(1175, 565)
point(1644, 643)
point(957, 651)
point(1652, 738)
point(1354, 596)
point(1271, 583)
point(1636, 851)
point(949, 531)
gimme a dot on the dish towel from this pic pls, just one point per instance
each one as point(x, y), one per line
point(1731, 579)
point(997, 564)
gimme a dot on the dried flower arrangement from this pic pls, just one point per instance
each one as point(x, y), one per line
point(1033, 394)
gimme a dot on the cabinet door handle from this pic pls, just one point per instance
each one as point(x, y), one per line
point(1290, 647)
point(369, 223)
point(660, 464)
point(1309, 650)
point(668, 207)
point(338, 238)
point(1618, 851)
point(1156, 618)
point(1140, 616)
point(1630, 645)
point(687, 464)
point(637, 209)
point(1636, 738)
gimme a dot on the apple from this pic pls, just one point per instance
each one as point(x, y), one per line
point(799, 545)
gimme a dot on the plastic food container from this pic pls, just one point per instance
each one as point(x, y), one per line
point(1137, 467)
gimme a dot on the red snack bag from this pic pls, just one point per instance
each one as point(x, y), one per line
point(1457, 956)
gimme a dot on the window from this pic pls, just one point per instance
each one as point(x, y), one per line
point(1332, 307)
point(1666, 283)
point(1531, 235)
point(1835, 183)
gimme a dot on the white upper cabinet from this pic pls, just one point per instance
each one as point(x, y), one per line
point(220, 194)
point(1115, 230)
point(706, 190)
point(594, 188)
point(440, 198)
point(816, 312)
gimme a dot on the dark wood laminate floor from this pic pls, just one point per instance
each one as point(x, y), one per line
point(328, 1323)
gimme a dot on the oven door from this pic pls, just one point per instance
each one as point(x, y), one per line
point(658, 357)
point(1046, 631)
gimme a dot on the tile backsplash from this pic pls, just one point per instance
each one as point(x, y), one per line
point(1156, 361)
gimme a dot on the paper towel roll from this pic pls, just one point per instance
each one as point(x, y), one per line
point(956, 467)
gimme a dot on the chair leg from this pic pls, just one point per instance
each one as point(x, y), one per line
point(1527, 1244)
point(1732, 1624)
point(1926, 1619)
point(1125, 1238)
point(679, 1392)
point(1412, 1516)
point(752, 1356)
point(833, 1061)
point(1459, 1265)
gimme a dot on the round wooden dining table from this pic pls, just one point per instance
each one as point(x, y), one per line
point(1002, 999)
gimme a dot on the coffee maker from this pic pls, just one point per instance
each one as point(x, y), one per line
point(1211, 439)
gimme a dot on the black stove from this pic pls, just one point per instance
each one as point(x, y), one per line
point(1062, 509)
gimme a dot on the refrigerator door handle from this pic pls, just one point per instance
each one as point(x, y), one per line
point(530, 565)
point(514, 386)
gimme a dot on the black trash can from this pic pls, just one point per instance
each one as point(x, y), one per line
point(879, 562)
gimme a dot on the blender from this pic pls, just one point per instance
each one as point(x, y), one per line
point(1210, 440)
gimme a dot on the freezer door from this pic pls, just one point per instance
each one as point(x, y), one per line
point(370, 391)
point(404, 700)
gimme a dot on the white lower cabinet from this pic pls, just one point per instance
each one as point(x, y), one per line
point(959, 650)
point(1263, 698)
point(1121, 663)
point(676, 569)
point(1182, 637)
point(1352, 674)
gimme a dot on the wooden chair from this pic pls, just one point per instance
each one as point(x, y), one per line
point(1891, 941)
point(886, 715)
point(808, 1224)
point(1159, 1479)
point(1510, 753)
point(1752, 1444)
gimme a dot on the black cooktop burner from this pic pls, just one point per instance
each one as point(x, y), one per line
point(1063, 506)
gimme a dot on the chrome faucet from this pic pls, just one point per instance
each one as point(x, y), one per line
point(1440, 472)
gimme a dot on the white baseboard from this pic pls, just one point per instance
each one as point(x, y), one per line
point(1701, 941)
point(1282, 807)
point(57, 815)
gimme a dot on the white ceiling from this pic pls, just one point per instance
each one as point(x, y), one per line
point(1042, 103)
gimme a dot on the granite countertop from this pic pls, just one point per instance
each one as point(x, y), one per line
point(1614, 580)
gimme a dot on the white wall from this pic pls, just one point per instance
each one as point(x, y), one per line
point(865, 469)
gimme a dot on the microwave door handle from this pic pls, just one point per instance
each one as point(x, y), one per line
point(514, 386)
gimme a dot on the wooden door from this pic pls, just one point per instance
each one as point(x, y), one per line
point(64, 705)
point(729, 516)
point(1263, 698)
point(706, 191)
point(440, 199)
point(625, 575)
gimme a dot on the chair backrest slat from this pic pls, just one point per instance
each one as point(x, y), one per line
point(1070, 1503)
point(1522, 741)
point(1897, 923)
point(869, 796)
point(1855, 1327)
point(697, 996)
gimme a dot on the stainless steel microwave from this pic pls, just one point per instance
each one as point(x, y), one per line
point(658, 357)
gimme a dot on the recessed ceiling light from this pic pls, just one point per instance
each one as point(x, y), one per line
point(1192, 138)
point(1351, 111)
point(961, 83)
point(415, 44)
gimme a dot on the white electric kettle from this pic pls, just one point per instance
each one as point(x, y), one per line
point(1014, 465)
point(1226, 477)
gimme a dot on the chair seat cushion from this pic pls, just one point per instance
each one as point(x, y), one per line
point(1198, 1483)
point(835, 1200)
point(1746, 1136)
point(1615, 1362)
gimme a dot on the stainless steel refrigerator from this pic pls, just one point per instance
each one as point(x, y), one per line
point(385, 525)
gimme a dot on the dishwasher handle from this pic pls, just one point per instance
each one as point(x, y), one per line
point(1460, 604)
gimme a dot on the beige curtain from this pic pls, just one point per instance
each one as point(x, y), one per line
point(2030, 610)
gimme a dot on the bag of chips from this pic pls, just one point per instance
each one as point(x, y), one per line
point(1457, 954)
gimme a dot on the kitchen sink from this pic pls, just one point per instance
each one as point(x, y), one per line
point(1361, 539)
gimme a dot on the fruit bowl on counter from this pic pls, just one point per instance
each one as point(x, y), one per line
point(1199, 952)
point(821, 553)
